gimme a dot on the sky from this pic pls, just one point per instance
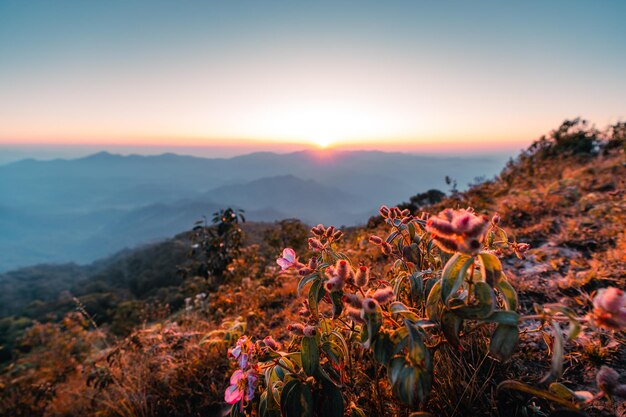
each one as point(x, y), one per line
point(238, 76)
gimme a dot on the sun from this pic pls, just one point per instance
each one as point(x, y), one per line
point(323, 142)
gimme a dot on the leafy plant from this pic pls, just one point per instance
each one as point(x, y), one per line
point(445, 281)
point(216, 245)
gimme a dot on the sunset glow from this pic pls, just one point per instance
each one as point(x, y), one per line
point(280, 75)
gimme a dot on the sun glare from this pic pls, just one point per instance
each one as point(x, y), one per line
point(323, 142)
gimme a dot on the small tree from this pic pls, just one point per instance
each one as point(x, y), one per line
point(215, 246)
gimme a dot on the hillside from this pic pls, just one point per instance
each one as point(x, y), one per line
point(564, 198)
point(80, 210)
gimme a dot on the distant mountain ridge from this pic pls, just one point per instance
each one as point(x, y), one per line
point(78, 210)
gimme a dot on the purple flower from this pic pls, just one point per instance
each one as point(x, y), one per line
point(242, 386)
point(288, 259)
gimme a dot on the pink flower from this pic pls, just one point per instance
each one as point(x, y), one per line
point(241, 351)
point(610, 308)
point(242, 386)
point(288, 260)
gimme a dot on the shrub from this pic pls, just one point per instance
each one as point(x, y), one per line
point(444, 285)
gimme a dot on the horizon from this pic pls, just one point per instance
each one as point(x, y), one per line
point(10, 154)
point(462, 77)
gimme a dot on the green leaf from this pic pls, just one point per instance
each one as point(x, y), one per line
point(490, 268)
point(335, 298)
point(332, 404)
point(417, 351)
point(510, 318)
point(298, 402)
point(401, 309)
point(310, 355)
point(453, 274)
point(433, 303)
point(284, 394)
point(417, 287)
point(374, 321)
point(508, 293)
point(382, 348)
point(306, 280)
point(503, 341)
point(316, 292)
point(451, 327)
point(407, 382)
point(484, 301)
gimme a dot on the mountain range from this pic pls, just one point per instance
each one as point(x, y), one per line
point(82, 209)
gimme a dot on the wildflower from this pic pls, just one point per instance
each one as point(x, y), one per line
point(370, 305)
point(353, 300)
point(384, 211)
point(335, 284)
point(330, 231)
point(354, 314)
point(376, 240)
point(315, 244)
point(362, 276)
point(241, 351)
point(242, 386)
point(458, 230)
point(288, 259)
point(610, 309)
point(318, 230)
point(310, 331)
point(386, 248)
point(271, 343)
point(343, 269)
point(296, 328)
point(383, 295)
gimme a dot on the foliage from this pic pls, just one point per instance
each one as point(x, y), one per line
point(445, 282)
point(215, 246)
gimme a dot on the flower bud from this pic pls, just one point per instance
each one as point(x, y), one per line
point(330, 231)
point(386, 248)
point(310, 331)
point(337, 235)
point(370, 305)
point(407, 220)
point(405, 212)
point(353, 300)
point(296, 328)
point(439, 227)
point(607, 379)
point(305, 271)
point(384, 211)
point(315, 244)
point(375, 240)
point(342, 269)
point(392, 213)
point(313, 263)
point(354, 315)
point(362, 276)
point(477, 227)
point(495, 220)
point(446, 245)
point(383, 295)
point(610, 308)
point(318, 230)
point(334, 284)
point(271, 343)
